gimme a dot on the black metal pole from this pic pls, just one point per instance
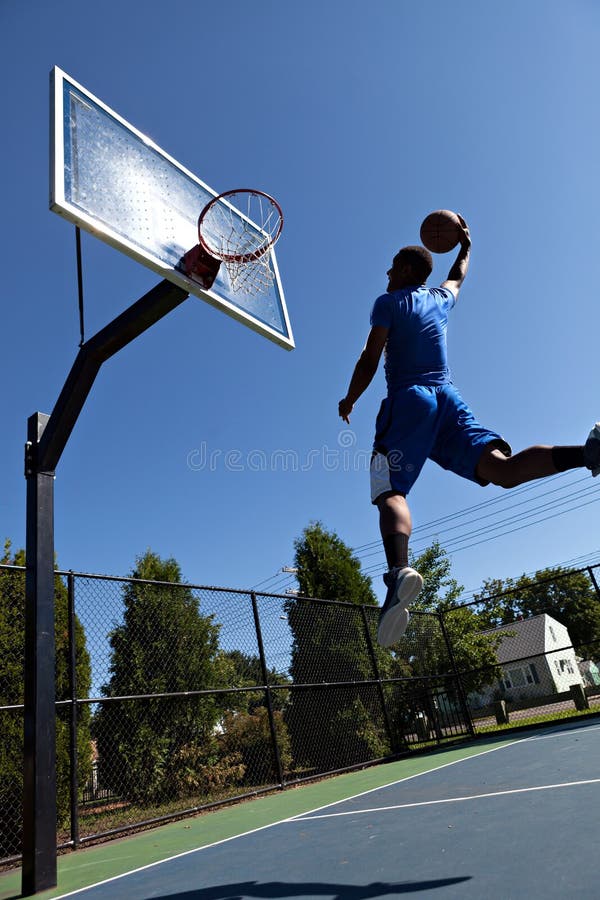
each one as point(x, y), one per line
point(433, 716)
point(373, 657)
point(39, 764)
point(73, 757)
point(136, 319)
point(268, 698)
point(47, 437)
point(594, 582)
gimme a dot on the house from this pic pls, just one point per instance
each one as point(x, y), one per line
point(537, 659)
point(589, 671)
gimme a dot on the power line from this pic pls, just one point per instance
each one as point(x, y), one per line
point(454, 545)
point(440, 528)
point(278, 587)
point(535, 510)
point(456, 549)
point(515, 505)
point(555, 504)
point(503, 498)
point(576, 562)
point(284, 570)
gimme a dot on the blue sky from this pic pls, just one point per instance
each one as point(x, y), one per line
point(361, 119)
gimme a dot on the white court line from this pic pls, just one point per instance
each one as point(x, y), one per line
point(379, 809)
point(565, 732)
point(299, 816)
point(388, 784)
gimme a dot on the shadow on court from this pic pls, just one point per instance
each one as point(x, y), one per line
point(278, 889)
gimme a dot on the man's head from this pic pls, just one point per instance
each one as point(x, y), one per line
point(411, 265)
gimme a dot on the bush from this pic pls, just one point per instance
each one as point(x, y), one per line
point(249, 736)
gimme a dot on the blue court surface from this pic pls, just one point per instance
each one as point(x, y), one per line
point(516, 821)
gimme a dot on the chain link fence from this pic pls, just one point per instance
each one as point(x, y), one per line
point(172, 698)
point(12, 640)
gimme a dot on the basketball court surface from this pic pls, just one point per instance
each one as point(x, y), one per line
point(502, 818)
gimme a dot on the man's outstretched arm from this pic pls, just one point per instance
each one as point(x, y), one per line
point(458, 272)
point(364, 370)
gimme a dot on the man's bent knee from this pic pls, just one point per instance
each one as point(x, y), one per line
point(494, 467)
point(390, 499)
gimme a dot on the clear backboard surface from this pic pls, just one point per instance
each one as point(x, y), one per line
point(111, 180)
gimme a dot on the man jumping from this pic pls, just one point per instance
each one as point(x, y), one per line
point(424, 417)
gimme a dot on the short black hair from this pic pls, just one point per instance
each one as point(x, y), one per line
point(418, 258)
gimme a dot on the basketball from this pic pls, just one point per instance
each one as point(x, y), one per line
point(440, 231)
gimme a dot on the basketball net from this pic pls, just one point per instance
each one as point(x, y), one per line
point(251, 278)
point(239, 228)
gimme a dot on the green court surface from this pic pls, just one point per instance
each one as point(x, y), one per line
point(94, 864)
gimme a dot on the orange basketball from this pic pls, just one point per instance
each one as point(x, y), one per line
point(440, 231)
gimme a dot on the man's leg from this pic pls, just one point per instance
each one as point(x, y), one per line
point(403, 583)
point(404, 434)
point(534, 462)
point(539, 461)
point(395, 524)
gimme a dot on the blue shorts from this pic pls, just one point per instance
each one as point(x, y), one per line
point(420, 422)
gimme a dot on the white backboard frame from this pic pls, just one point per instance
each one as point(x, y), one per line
point(265, 315)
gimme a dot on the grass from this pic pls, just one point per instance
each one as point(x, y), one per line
point(130, 815)
point(538, 719)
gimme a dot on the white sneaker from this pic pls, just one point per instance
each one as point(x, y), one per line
point(403, 587)
point(591, 450)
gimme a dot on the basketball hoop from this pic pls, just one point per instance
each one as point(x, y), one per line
point(239, 227)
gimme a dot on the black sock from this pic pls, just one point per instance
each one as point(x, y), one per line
point(567, 458)
point(396, 550)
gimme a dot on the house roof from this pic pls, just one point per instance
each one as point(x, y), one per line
point(529, 637)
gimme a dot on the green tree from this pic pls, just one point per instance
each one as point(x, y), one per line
point(164, 645)
point(12, 644)
point(244, 670)
point(566, 595)
point(329, 646)
point(328, 569)
point(474, 653)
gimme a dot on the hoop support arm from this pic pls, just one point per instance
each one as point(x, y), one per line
point(140, 316)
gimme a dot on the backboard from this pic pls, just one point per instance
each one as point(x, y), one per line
point(113, 181)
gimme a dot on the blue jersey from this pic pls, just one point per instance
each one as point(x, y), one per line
point(415, 350)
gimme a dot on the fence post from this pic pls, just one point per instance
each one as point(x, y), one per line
point(73, 757)
point(433, 715)
point(373, 656)
point(579, 697)
point(594, 582)
point(461, 692)
point(269, 700)
point(501, 712)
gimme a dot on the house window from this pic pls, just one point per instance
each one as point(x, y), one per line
point(566, 666)
point(518, 677)
point(553, 636)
